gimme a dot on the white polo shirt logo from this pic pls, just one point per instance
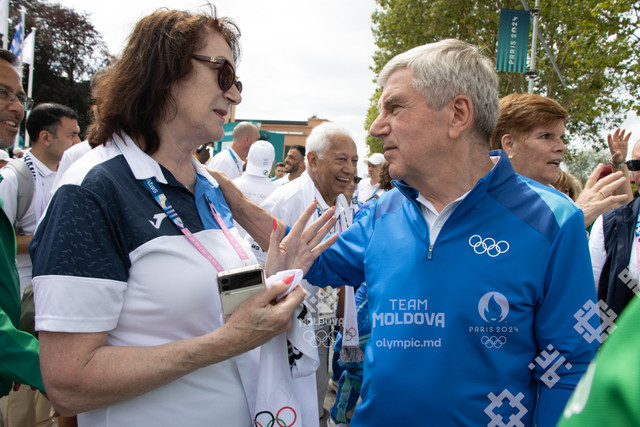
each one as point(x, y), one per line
point(158, 220)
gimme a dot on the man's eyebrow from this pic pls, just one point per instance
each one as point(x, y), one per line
point(19, 91)
point(391, 99)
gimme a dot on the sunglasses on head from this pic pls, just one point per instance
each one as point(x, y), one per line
point(633, 165)
point(226, 73)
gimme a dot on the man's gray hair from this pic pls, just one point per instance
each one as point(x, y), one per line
point(319, 140)
point(448, 68)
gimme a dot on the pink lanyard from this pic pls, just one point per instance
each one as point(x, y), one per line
point(152, 185)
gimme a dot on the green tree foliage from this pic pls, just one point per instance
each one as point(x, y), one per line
point(68, 51)
point(594, 43)
point(581, 162)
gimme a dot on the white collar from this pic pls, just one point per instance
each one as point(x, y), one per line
point(310, 192)
point(144, 166)
point(41, 168)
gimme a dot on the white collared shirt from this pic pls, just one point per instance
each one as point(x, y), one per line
point(228, 162)
point(367, 191)
point(436, 220)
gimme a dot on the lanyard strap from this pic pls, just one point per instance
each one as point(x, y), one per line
point(152, 185)
point(338, 227)
point(234, 159)
point(236, 245)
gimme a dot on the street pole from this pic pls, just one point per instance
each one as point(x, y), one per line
point(531, 75)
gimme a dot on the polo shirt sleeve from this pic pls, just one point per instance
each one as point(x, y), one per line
point(80, 263)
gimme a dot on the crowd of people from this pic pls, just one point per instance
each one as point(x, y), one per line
point(466, 280)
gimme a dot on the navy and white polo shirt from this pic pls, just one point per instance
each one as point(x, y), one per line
point(106, 258)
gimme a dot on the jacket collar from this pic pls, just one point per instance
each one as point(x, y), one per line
point(494, 178)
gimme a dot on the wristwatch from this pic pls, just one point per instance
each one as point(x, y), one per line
point(616, 165)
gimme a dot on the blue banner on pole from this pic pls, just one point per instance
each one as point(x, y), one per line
point(16, 43)
point(513, 41)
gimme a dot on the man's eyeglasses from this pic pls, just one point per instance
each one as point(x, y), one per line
point(226, 73)
point(10, 96)
point(357, 179)
point(633, 165)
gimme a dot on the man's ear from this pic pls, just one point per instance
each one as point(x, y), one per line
point(44, 138)
point(462, 115)
point(312, 159)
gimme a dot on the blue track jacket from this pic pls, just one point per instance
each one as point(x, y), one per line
point(492, 325)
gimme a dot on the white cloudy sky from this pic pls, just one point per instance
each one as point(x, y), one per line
point(300, 57)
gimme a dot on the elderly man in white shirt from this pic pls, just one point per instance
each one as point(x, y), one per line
point(332, 160)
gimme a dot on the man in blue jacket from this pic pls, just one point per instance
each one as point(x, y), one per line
point(482, 302)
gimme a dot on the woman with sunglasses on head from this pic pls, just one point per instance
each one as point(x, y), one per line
point(127, 257)
point(531, 131)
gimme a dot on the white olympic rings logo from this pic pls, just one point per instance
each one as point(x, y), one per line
point(318, 338)
point(493, 342)
point(488, 245)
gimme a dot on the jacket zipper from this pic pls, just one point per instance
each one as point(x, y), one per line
point(428, 238)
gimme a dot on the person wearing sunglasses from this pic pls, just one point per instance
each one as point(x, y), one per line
point(634, 168)
point(127, 256)
point(614, 248)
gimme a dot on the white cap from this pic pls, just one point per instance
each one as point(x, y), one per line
point(4, 156)
point(260, 158)
point(375, 159)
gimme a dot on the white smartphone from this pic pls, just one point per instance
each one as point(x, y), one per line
point(238, 284)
